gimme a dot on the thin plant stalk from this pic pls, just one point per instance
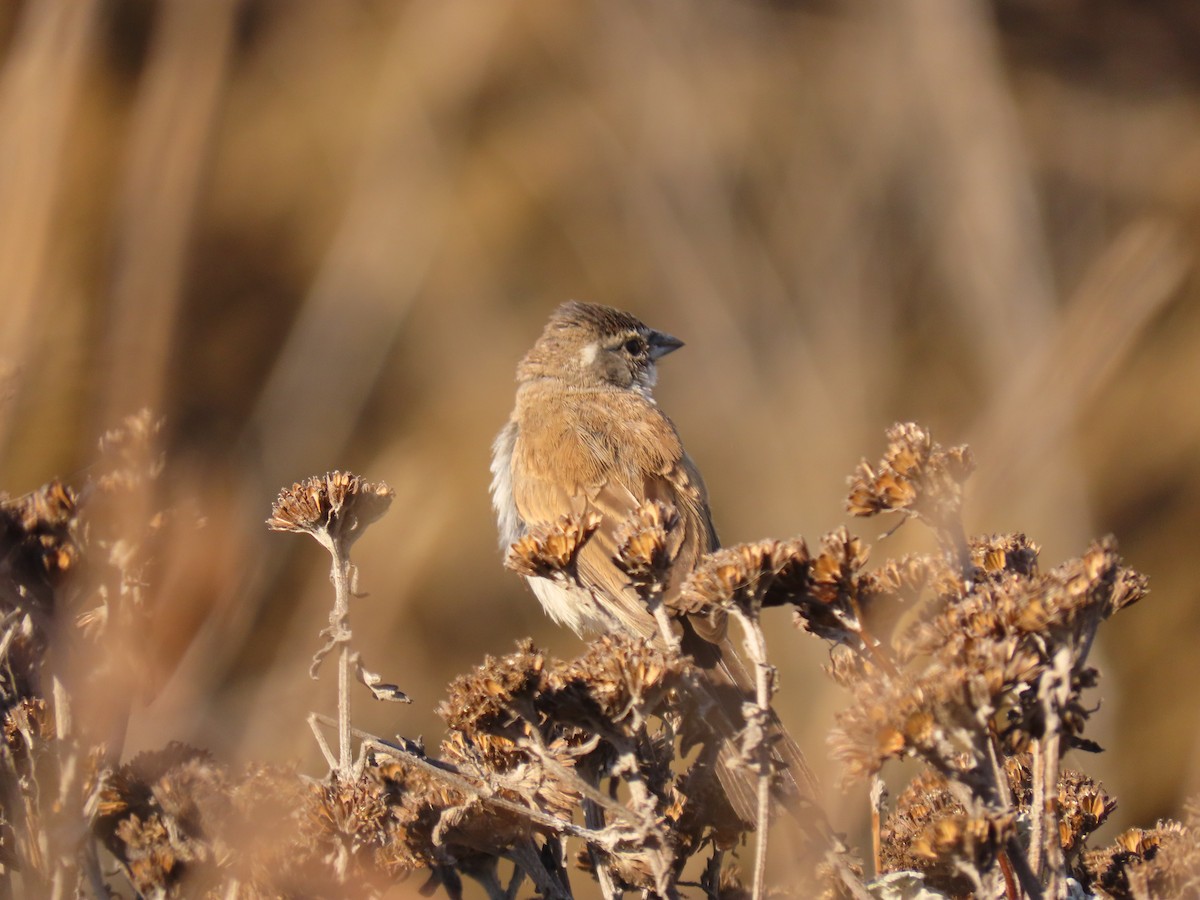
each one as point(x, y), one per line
point(756, 646)
point(335, 509)
point(339, 621)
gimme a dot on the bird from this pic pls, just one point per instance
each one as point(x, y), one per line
point(587, 435)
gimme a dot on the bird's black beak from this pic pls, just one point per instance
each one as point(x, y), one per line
point(661, 344)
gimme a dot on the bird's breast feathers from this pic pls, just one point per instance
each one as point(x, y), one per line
point(585, 439)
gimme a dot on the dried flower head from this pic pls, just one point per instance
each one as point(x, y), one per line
point(945, 709)
point(648, 543)
point(996, 554)
point(416, 802)
point(1081, 592)
point(162, 813)
point(954, 844)
point(489, 695)
point(131, 454)
point(932, 833)
point(838, 593)
point(1083, 806)
point(617, 677)
point(916, 475)
point(38, 536)
point(1163, 861)
point(747, 576)
point(28, 726)
point(43, 539)
point(909, 577)
point(550, 550)
point(176, 818)
point(890, 718)
point(916, 478)
point(513, 771)
point(335, 506)
point(359, 819)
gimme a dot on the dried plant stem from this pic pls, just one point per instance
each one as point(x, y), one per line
point(593, 817)
point(644, 802)
point(953, 538)
point(335, 509)
point(1027, 876)
point(536, 746)
point(875, 650)
point(88, 862)
point(756, 647)
point(711, 880)
point(73, 849)
point(525, 856)
point(1037, 837)
point(1029, 881)
point(514, 883)
point(314, 722)
point(1001, 792)
point(877, 654)
point(339, 625)
point(63, 722)
point(606, 838)
point(1006, 871)
point(555, 851)
point(878, 804)
point(91, 868)
point(1045, 851)
point(665, 628)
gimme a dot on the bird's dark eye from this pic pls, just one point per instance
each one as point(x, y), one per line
point(635, 346)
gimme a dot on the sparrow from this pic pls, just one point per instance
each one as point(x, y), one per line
point(586, 434)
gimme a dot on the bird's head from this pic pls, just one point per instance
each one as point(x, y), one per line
point(588, 345)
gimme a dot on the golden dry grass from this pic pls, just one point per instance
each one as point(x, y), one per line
point(320, 235)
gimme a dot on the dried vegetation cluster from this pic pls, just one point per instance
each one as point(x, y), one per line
point(969, 659)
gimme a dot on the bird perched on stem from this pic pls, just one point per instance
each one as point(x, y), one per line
point(586, 435)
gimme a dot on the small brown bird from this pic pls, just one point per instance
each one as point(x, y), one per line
point(586, 434)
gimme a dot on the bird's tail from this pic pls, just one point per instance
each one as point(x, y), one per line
point(729, 685)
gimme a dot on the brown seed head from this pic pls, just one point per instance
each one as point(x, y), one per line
point(550, 549)
point(648, 542)
point(916, 475)
point(748, 576)
point(338, 504)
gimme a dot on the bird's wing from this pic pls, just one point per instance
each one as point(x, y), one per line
point(610, 464)
point(699, 537)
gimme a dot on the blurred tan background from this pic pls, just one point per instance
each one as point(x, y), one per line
point(320, 235)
